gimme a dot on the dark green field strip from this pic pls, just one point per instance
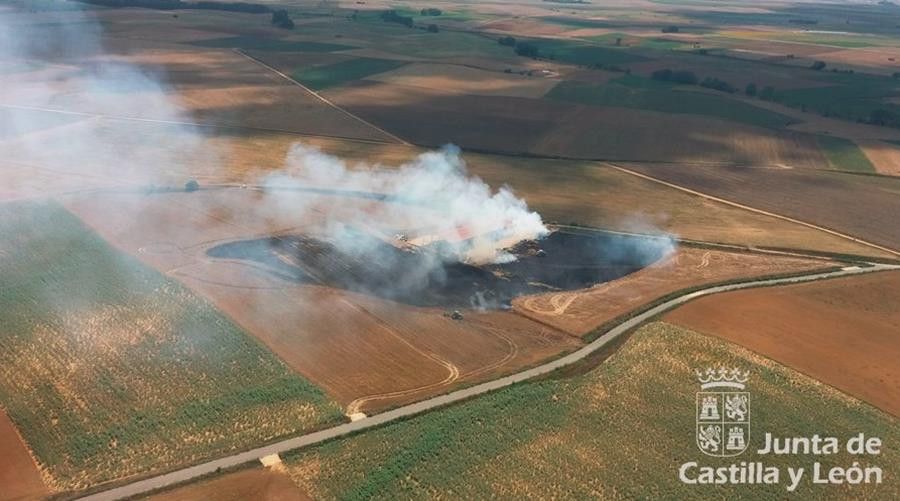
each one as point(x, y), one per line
point(844, 154)
point(645, 94)
point(323, 77)
point(271, 44)
point(111, 369)
point(848, 96)
point(584, 54)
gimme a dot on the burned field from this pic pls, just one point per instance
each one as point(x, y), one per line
point(580, 312)
point(422, 277)
point(144, 327)
point(365, 351)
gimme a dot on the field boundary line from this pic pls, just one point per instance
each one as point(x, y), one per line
point(210, 125)
point(320, 97)
point(211, 467)
point(754, 209)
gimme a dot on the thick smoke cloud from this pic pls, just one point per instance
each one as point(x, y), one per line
point(430, 201)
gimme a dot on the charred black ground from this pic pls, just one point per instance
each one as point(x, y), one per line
point(564, 260)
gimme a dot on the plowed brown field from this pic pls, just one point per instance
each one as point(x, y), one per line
point(256, 484)
point(20, 479)
point(843, 332)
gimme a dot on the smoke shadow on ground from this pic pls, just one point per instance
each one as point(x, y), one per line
point(420, 277)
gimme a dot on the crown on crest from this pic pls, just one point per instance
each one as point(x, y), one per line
point(722, 377)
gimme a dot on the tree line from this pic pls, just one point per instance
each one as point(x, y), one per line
point(689, 78)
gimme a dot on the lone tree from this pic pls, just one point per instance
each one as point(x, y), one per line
point(281, 19)
point(750, 90)
point(432, 28)
point(818, 65)
point(191, 186)
point(508, 41)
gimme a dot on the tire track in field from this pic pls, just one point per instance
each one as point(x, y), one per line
point(453, 371)
point(512, 352)
point(559, 303)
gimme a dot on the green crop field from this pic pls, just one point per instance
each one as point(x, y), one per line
point(583, 54)
point(248, 42)
point(645, 94)
point(620, 431)
point(849, 96)
point(323, 77)
point(110, 369)
point(844, 154)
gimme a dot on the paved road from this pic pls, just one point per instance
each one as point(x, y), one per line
point(185, 474)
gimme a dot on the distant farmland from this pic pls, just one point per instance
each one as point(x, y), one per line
point(862, 206)
point(644, 94)
point(322, 77)
point(109, 369)
point(592, 436)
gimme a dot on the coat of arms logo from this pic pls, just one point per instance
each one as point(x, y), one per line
point(723, 412)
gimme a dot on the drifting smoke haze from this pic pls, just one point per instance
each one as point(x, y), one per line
point(430, 199)
point(121, 130)
point(59, 80)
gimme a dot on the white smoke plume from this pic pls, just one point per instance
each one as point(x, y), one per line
point(431, 200)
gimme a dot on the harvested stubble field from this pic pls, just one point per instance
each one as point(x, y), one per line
point(840, 332)
point(581, 437)
point(597, 195)
point(857, 205)
point(580, 312)
point(352, 345)
point(111, 370)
